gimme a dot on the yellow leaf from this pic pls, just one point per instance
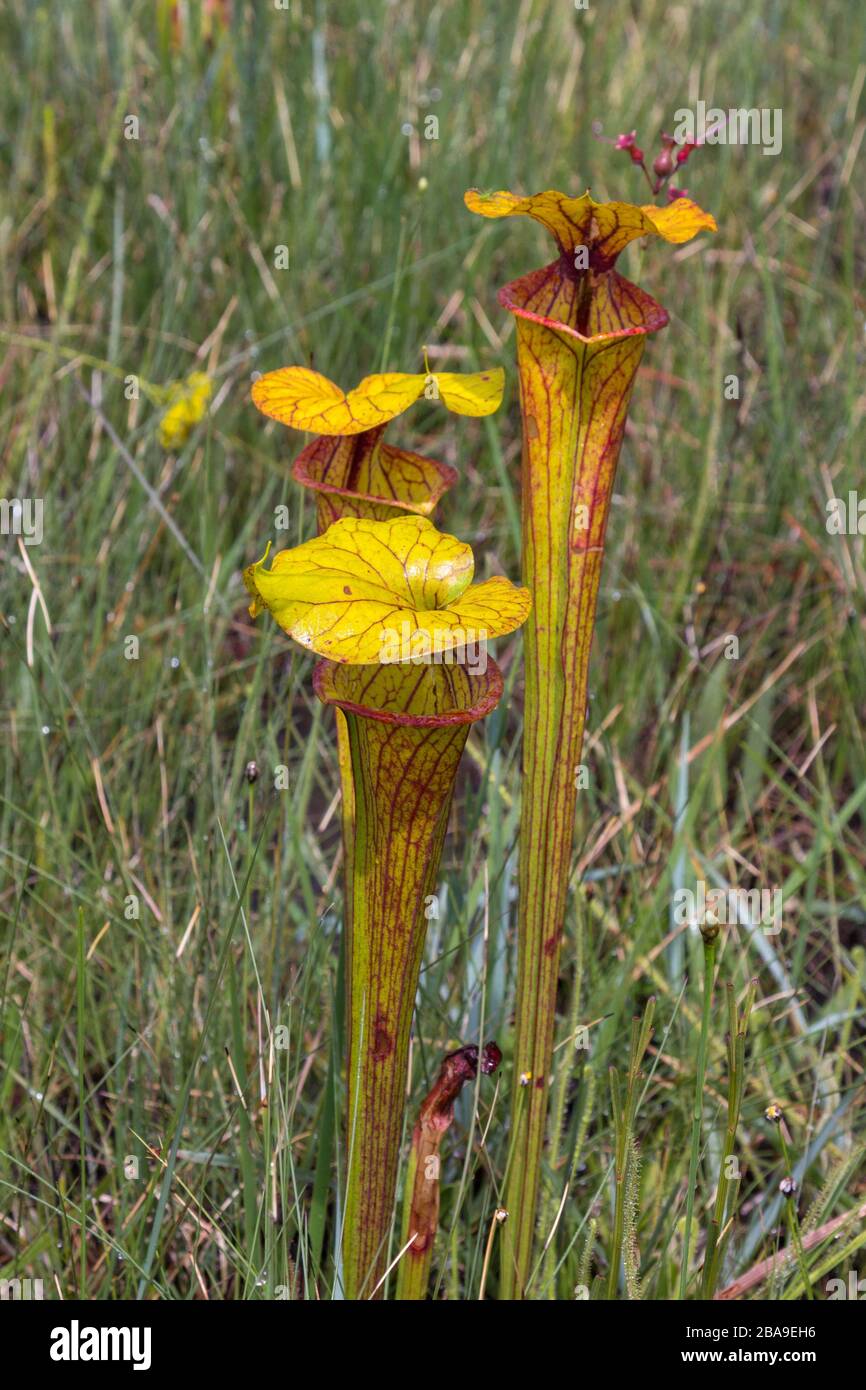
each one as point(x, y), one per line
point(306, 400)
point(384, 591)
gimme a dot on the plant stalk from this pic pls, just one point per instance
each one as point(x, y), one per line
point(624, 1112)
point(794, 1222)
point(737, 1030)
point(698, 1107)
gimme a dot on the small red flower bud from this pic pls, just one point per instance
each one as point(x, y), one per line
point(663, 164)
point(636, 154)
point(674, 193)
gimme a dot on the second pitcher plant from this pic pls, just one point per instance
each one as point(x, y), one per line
point(581, 331)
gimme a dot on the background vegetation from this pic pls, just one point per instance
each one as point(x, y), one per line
point(145, 1039)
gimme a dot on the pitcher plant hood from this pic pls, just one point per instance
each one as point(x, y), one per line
point(351, 470)
point(346, 593)
point(581, 293)
point(306, 400)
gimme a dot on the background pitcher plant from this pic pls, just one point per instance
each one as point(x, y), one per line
point(353, 473)
point(581, 331)
point(350, 469)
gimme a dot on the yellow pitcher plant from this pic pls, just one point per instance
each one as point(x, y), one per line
point(581, 332)
point(390, 604)
point(354, 473)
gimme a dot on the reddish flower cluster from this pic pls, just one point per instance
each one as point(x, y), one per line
point(671, 157)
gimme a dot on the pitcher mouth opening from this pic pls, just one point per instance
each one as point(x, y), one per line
point(417, 697)
point(543, 295)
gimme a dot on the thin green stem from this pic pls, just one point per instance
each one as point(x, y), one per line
point(620, 1162)
point(80, 1059)
point(698, 1110)
point(794, 1223)
point(623, 1119)
point(736, 1084)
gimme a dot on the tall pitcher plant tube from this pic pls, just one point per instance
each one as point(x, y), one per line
point(581, 331)
point(407, 729)
point(352, 595)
